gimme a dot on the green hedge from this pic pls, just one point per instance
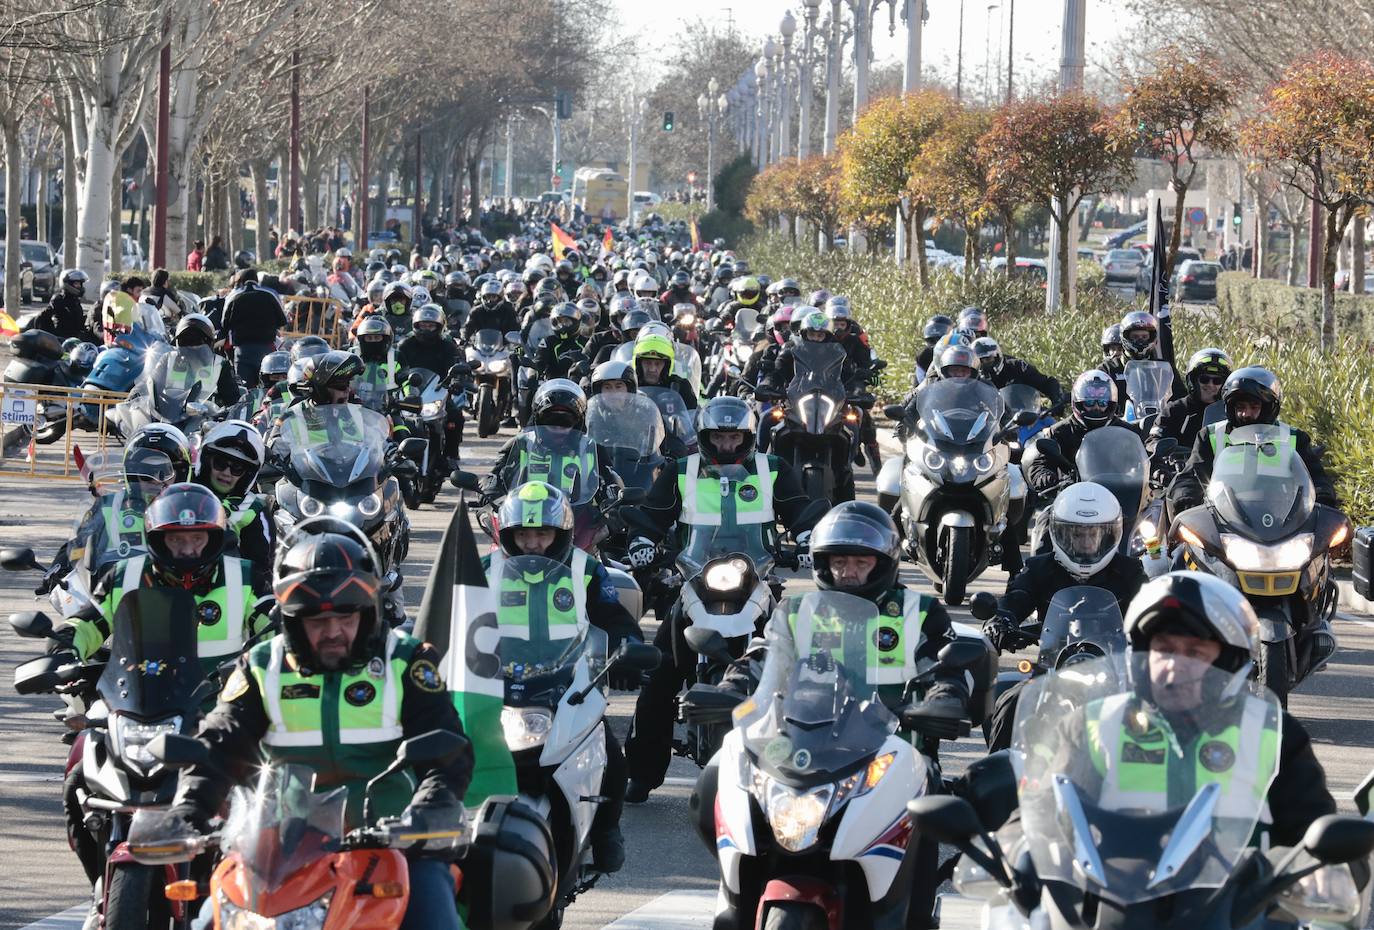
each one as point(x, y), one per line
point(1279, 308)
point(200, 283)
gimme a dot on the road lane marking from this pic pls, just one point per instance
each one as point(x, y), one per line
point(16, 778)
point(70, 919)
point(676, 910)
point(1349, 619)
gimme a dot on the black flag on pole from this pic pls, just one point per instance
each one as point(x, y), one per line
point(1159, 280)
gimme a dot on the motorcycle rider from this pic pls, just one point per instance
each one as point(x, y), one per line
point(744, 292)
point(1252, 396)
point(1001, 370)
point(64, 316)
point(558, 414)
point(1113, 350)
point(492, 311)
point(1182, 419)
point(380, 367)
point(195, 329)
point(536, 519)
point(679, 292)
point(252, 319)
point(936, 328)
point(228, 461)
point(358, 689)
point(688, 494)
point(956, 362)
point(562, 348)
point(851, 335)
point(1140, 341)
point(1093, 404)
point(1085, 532)
point(428, 346)
point(654, 363)
point(816, 326)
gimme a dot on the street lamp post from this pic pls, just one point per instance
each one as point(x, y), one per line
point(959, 68)
point(807, 81)
point(834, 49)
point(1070, 79)
point(634, 113)
point(987, 53)
point(711, 106)
point(787, 28)
point(863, 43)
point(761, 114)
point(915, 16)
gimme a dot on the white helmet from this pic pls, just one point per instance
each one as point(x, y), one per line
point(644, 282)
point(1085, 528)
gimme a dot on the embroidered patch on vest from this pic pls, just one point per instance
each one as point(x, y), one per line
point(748, 493)
point(300, 692)
point(129, 521)
point(570, 470)
point(1216, 756)
point(376, 668)
point(208, 613)
point(1134, 752)
point(563, 599)
point(360, 693)
point(426, 676)
point(235, 687)
point(885, 638)
point(512, 598)
point(892, 608)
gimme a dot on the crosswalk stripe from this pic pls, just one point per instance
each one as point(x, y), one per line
point(70, 919)
point(676, 910)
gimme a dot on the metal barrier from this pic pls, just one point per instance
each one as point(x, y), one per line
point(38, 425)
point(316, 316)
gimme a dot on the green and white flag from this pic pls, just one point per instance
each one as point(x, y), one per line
point(458, 616)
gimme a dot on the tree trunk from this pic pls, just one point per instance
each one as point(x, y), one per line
point(1063, 252)
point(1176, 234)
point(1009, 239)
point(236, 224)
point(1291, 278)
point(1331, 246)
point(41, 206)
point(262, 242)
point(917, 234)
point(310, 197)
point(70, 195)
point(93, 230)
point(116, 215)
point(377, 217)
point(10, 131)
point(1357, 255)
point(474, 177)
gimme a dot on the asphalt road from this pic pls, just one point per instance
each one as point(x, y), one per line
point(42, 877)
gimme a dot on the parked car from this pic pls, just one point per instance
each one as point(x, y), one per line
point(1142, 277)
point(25, 276)
point(45, 267)
point(1089, 255)
point(1196, 280)
point(131, 256)
point(1122, 265)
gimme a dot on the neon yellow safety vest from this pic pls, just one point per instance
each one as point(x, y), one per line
point(532, 608)
point(885, 647)
point(345, 725)
point(377, 378)
point(123, 527)
point(182, 376)
point(1142, 769)
point(1220, 439)
point(557, 469)
point(243, 512)
point(712, 500)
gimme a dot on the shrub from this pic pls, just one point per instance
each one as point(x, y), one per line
point(200, 283)
point(1294, 311)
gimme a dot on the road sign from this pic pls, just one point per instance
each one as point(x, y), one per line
point(1197, 216)
point(556, 180)
point(17, 408)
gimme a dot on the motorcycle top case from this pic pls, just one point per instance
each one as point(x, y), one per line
point(36, 345)
point(510, 872)
point(1363, 556)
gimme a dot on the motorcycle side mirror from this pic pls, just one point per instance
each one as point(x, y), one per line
point(983, 605)
point(893, 411)
point(1025, 417)
point(178, 751)
point(642, 657)
point(413, 448)
point(32, 624)
point(513, 338)
point(459, 372)
point(19, 560)
point(1165, 447)
point(962, 653)
point(708, 643)
point(1335, 839)
point(415, 380)
point(953, 820)
point(465, 480)
point(40, 675)
point(269, 472)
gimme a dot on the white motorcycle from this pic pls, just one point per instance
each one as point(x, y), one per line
point(816, 756)
point(554, 713)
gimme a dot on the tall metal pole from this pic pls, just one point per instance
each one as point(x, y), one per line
point(959, 67)
point(164, 116)
point(1070, 79)
point(911, 72)
point(510, 159)
point(760, 132)
point(808, 81)
point(1011, 39)
point(863, 41)
point(417, 217)
point(634, 142)
point(834, 48)
point(987, 53)
point(785, 120)
point(361, 184)
point(293, 214)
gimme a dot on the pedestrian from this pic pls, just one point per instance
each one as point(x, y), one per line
point(216, 258)
point(196, 260)
point(253, 316)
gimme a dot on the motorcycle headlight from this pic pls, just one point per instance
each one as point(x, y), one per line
point(525, 727)
point(310, 507)
point(983, 463)
point(310, 917)
point(724, 576)
point(432, 408)
point(795, 816)
point(933, 459)
point(743, 353)
point(1247, 556)
point(131, 738)
point(498, 366)
point(371, 505)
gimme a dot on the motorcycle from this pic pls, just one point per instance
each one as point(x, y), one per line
point(149, 683)
point(118, 368)
point(489, 357)
point(332, 459)
point(424, 406)
point(955, 486)
point(1147, 387)
point(679, 421)
point(554, 720)
point(286, 858)
point(171, 390)
point(527, 376)
point(1085, 855)
point(628, 429)
point(1262, 531)
point(816, 431)
point(805, 811)
point(39, 360)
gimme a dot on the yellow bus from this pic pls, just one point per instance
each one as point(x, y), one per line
point(601, 193)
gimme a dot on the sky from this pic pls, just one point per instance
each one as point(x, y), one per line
point(1036, 40)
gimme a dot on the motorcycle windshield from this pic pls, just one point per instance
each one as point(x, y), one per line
point(687, 364)
point(1115, 458)
point(335, 445)
point(539, 330)
point(960, 411)
point(1148, 383)
point(625, 352)
point(174, 378)
point(429, 388)
point(535, 598)
point(815, 716)
point(1132, 798)
point(556, 455)
point(1019, 397)
point(707, 541)
point(153, 671)
point(628, 423)
point(279, 826)
point(1082, 622)
point(488, 341)
point(1260, 485)
point(678, 420)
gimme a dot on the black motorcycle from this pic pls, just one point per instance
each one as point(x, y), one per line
point(816, 430)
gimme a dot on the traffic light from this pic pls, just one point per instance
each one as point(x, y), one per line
point(668, 121)
point(1235, 216)
point(562, 100)
point(558, 166)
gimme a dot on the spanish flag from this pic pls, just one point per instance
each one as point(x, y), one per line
point(696, 237)
point(561, 241)
point(608, 241)
point(8, 328)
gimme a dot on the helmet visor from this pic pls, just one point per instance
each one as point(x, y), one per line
point(1086, 543)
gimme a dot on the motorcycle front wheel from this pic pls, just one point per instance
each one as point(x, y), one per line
point(135, 897)
point(488, 417)
point(794, 915)
point(958, 541)
point(1272, 672)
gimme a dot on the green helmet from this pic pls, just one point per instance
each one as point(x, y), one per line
point(536, 505)
point(653, 344)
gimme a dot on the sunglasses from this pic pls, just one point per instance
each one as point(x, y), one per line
point(1095, 403)
point(1209, 379)
point(232, 466)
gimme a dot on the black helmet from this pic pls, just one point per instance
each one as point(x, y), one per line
point(186, 507)
point(1111, 339)
point(274, 367)
point(936, 328)
point(428, 322)
point(1198, 605)
point(335, 369)
point(566, 317)
point(634, 321)
point(726, 413)
point(680, 280)
point(158, 454)
point(614, 371)
point(307, 346)
point(1256, 383)
point(559, 402)
point(1212, 362)
point(1139, 334)
point(73, 282)
point(327, 567)
point(989, 354)
point(857, 528)
point(374, 338)
point(195, 329)
point(1094, 398)
point(533, 505)
point(244, 259)
point(958, 356)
